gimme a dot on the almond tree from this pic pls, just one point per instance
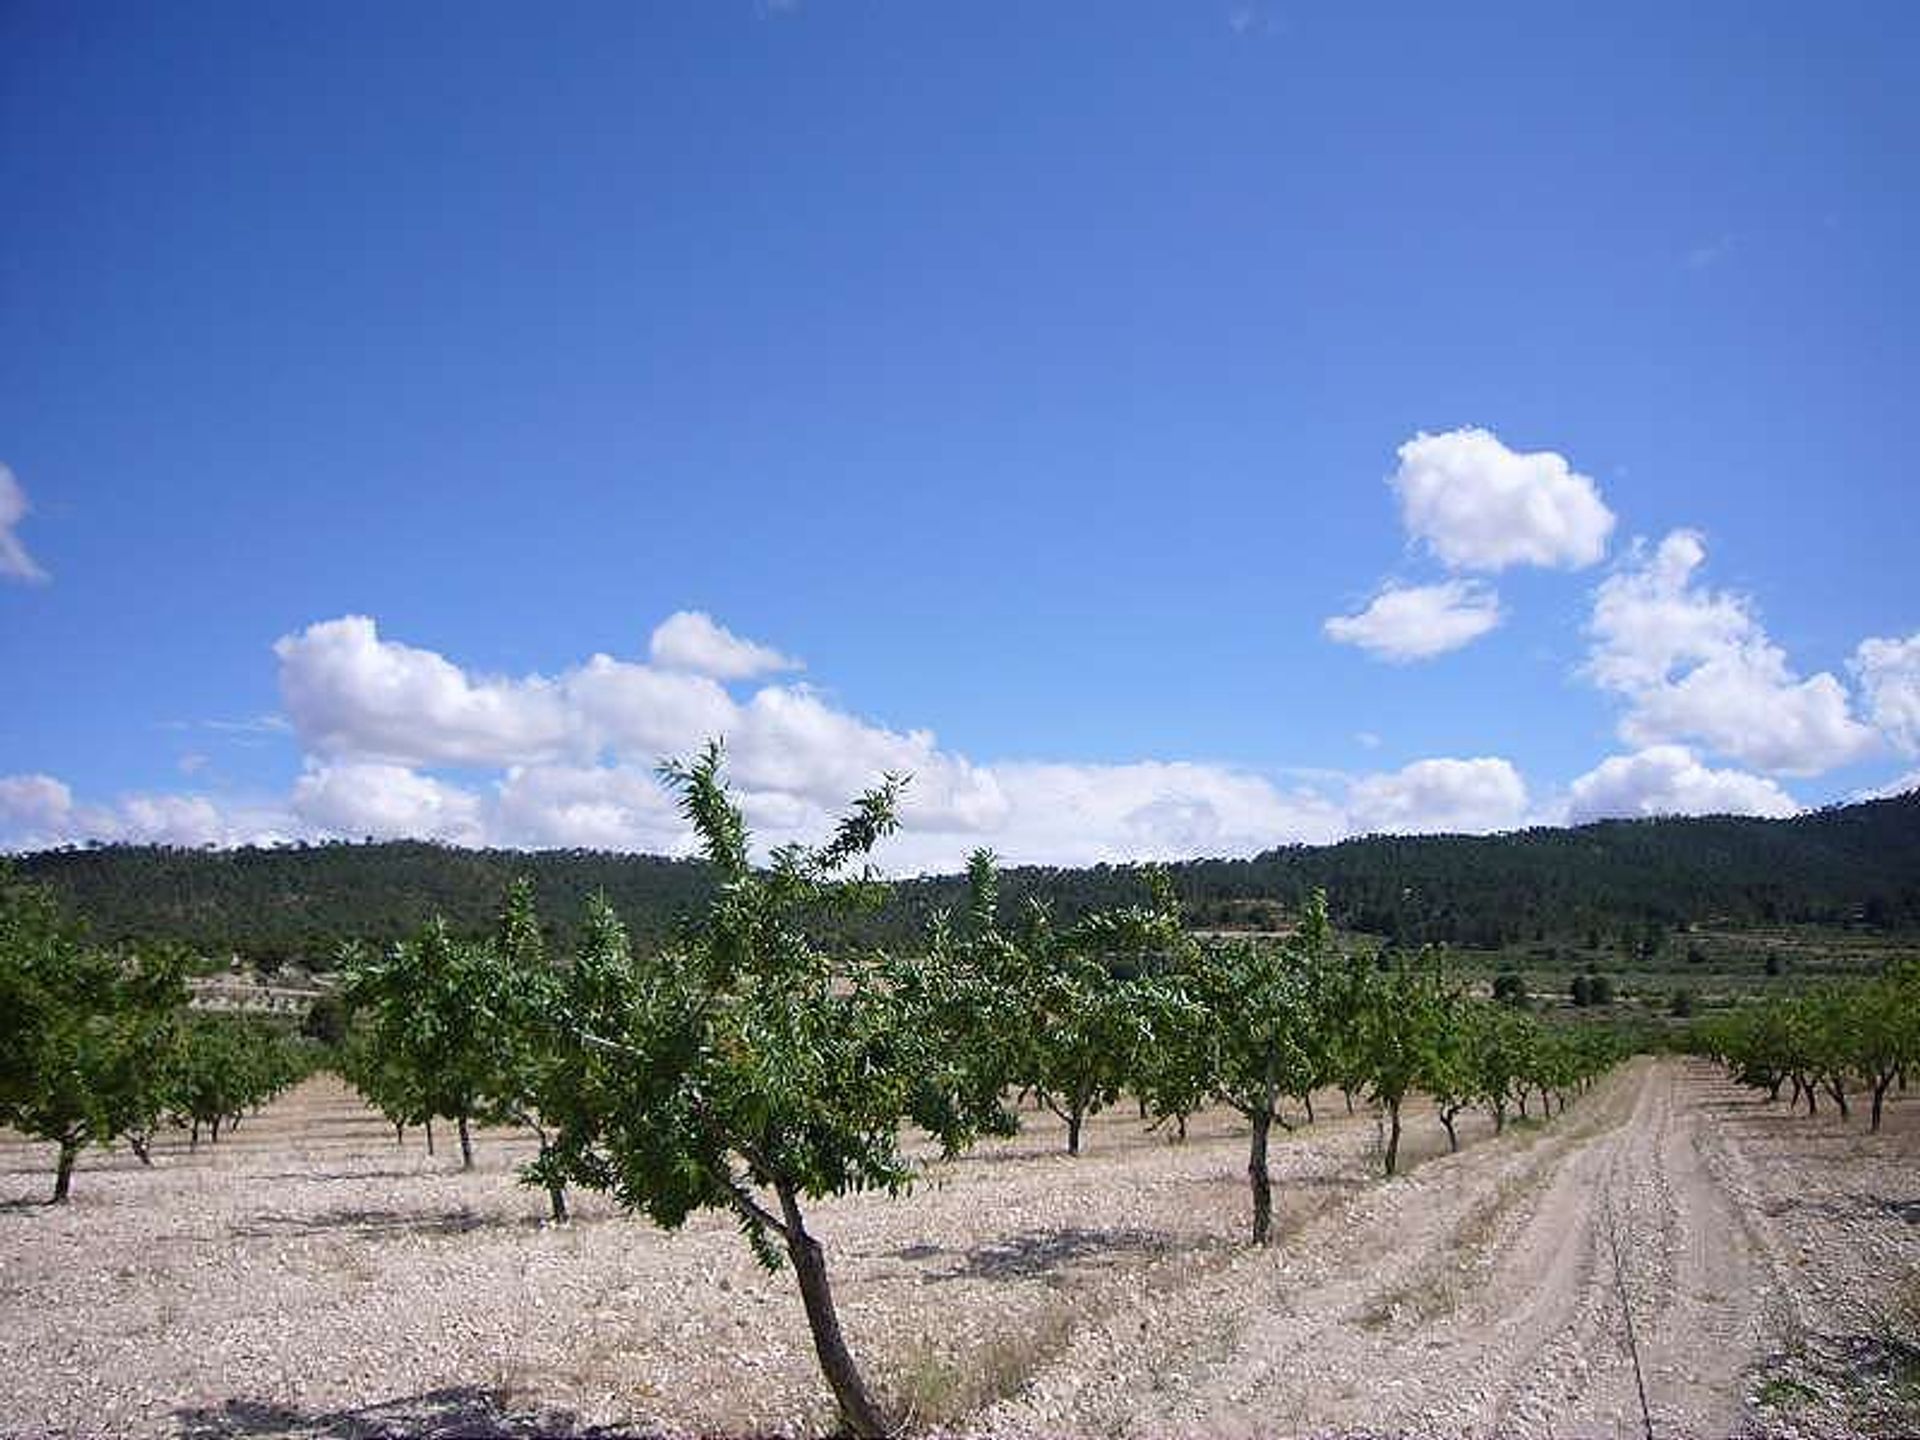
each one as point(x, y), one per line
point(1259, 999)
point(1402, 1017)
point(84, 1032)
point(435, 1013)
point(760, 1064)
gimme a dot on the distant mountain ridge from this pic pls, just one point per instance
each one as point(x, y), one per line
point(1849, 864)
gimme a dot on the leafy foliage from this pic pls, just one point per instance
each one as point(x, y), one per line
point(84, 1032)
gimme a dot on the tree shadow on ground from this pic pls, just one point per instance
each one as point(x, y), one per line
point(464, 1411)
point(1046, 1255)
point(1852, 1207)
point(372, 1224)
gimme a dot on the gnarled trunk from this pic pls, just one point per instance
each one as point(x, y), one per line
point(63, 1175)
point(862, 1416)
point(1258, 1177)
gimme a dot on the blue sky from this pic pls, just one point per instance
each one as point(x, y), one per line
point(1164, 429)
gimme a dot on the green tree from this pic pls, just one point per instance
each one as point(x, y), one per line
point(760, 1064)
point(84, 1032)
point(1400, 1017)
point(1259, 1003)
point(435, 1013)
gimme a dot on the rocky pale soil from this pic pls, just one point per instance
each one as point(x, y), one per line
point(309, 1277)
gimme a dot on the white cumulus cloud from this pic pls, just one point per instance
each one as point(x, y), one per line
point(1669, 780)
point(691, 640)
point(39, 811)
point(1696, 665)
point(1889, 674)
point(354, 799)
point(1416, 622)
point(1440, 796)
point(35, 807)
point(15, 562)
point(1478, 505)
point(350, 693)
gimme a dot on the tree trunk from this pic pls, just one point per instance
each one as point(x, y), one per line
point(1839, 1093)
point(193, 1140)
point(1393, 1134)
point(1258, 1178)
point(1349, 1094)
point(1500, 1118)
point(466, 1145)
point(1180, 1131)
point(63, 1176)
point(399, 1133)
point(1453, 1139)
point(857, 1409)
point(1073, 1131)
point(1307, 1100)
point(1523, 1104)
point(429, 1135)
point(1879, 1098)
point(216, 1129)
point(140, 1148)
point(557, 1194)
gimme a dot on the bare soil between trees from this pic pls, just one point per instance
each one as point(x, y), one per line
point(309, 1277)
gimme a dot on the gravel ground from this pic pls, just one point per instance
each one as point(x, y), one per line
point(307, 1276)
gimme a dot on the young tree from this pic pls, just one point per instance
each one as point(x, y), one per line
point(435, 1013)
point(225, 1066)
point(1258, 999)
point(1401, 1019)
point(759, 1064)
point(84, 1032)
point(1083, 1024)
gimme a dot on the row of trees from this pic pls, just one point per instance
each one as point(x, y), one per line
point(1863, 1037)
point(97, 1046)
point(763, 1061)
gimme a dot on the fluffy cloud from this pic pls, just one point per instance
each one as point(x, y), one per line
point(1889, 676)
point(34, 806)
point(37, 811)
point(1695, 664)
point(350, 693)
point(1063, 814)
point(1478, 505)
point(1440, 797)
point(590, 807)
point(569, 760)
point(15, 562)
point(365, 798)
point(1668, 780)
point(1417, 622)
point(690, 640)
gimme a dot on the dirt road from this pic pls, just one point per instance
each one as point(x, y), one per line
point(1477, 1296)
point(309, 1277)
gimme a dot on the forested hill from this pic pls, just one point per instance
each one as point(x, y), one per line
point(1855, 864)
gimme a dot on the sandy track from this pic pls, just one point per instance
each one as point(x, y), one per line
point(308, 1277)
